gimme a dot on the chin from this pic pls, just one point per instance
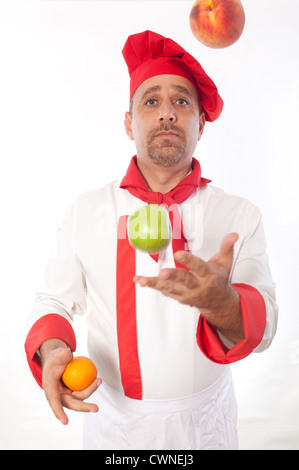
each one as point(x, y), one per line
point(167, 157)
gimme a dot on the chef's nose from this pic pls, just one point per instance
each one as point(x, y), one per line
point(167, 113)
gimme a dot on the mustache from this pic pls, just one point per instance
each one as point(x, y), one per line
point(165, 127)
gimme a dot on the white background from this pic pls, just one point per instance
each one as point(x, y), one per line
point(63, 94)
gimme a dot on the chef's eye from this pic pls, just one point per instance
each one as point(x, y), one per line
point(182, 101)
point(151, 102)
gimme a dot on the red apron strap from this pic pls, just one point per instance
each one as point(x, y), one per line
point(126, 314)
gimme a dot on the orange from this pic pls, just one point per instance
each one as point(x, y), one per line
point(79, 373)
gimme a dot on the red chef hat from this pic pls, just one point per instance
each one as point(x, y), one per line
point(148, 54)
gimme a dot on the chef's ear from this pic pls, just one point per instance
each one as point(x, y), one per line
point(202, 121)
point(128, 125)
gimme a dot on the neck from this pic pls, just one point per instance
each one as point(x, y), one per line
point(161, 179)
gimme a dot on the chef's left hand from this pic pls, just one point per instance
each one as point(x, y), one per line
point(206, 286)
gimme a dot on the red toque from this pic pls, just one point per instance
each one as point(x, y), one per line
point(148, 54)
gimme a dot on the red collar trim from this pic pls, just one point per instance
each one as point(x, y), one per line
point(133, 177)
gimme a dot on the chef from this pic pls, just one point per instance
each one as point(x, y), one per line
point(163, 328)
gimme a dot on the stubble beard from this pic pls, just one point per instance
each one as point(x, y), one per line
point(164, 152)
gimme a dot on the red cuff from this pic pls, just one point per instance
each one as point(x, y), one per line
point(254, 320)
point(47, 327)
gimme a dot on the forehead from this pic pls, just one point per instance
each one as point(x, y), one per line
point(166, 83)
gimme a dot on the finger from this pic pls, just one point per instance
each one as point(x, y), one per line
point(226, 252)
point(87, 392)
point(144, 281)
point(141, 280)
point(75, 400)
point(171, 288)
point(195, 264)
point(65, 356)
point(52, 372)
point(59, 412)
point(74, 404)
point(228, 242)
point(54, 398)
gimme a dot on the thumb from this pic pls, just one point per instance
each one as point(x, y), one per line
point(64, 356)
point(224, 257)
point(227, 244)
point(56, 362)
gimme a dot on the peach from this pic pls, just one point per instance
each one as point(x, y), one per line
point(217, 23)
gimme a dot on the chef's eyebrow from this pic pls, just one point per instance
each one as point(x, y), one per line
point(154, 89)
point(149, 91)
point(182, 89)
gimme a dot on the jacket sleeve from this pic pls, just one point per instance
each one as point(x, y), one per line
point(62, 296)
point(251, 277)
point(47, 327)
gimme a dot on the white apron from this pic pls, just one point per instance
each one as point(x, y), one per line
point(204, 421)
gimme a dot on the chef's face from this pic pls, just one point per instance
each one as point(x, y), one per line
point(165, 120)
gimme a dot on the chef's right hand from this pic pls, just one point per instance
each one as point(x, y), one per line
point(55, 355)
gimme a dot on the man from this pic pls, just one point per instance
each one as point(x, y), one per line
point(163, 328)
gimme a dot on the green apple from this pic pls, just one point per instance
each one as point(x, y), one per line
point(149, 228)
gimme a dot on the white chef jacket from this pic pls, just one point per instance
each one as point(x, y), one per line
point(179, 354)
